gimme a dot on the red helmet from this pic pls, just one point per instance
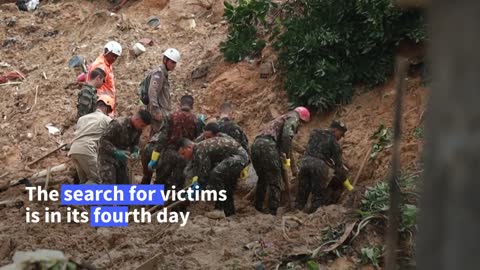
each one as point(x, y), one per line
point(304, 113)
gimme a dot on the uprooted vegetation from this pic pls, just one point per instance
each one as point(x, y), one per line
point(345, 238)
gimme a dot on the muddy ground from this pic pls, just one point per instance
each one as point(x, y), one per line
point(39, 44)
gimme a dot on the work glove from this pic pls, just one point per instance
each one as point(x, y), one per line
point(151, 165)
point(136, 152)
point(195, 183)
point(153, 161)
point(120, 155)
point(244, 173)
point(201, 118)
point(286, 163)
point(347, 185)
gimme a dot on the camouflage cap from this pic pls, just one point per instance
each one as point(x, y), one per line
point(339, 125)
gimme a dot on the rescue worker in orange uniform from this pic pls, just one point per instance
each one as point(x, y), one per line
point(112, 51)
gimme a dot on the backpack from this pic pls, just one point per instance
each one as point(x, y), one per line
point(143, 89)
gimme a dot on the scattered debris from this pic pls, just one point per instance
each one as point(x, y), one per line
point(153, 22)
point(53, 130)
point(27, 5)
point(77, 61)
point(51, 33)
point(138, 49)
point(47, 154)
point(11, 21)
point(11, 203)
point(41, 259)
point(200, 71)
point(9, 41)
point(146, 41)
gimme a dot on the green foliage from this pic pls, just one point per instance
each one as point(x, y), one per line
point(243, 19)
point(418, 132)
point(312, 265)
point(329, 45)
point(384, 138)
point(371, 255)
point(376, 201)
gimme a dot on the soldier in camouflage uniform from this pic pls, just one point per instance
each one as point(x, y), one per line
point(273, 142)
point(229, 127)
point(182, 124)
point(87, 97)
point(211, 130)
point(322, 152)
point(216, 162)
point(119, 139)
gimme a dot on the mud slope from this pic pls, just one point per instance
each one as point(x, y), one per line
point(39, 44)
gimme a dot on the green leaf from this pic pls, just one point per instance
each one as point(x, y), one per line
point(312, 265)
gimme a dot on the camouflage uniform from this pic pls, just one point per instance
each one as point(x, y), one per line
point(275, 138)
point(232, 129)
point(218, 162)
point(87, 100)
point(201, 138)
point(182, 124)
point(322, 152)
point(119, 135)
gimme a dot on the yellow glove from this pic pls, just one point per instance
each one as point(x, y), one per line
point(286, 163)
point(347, 185)
point(244, 173)
point(194, 179)
point(155, 155)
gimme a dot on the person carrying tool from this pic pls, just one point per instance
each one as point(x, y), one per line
point(270, 151)
point(83, 150)
point(168, 165)
point(117, 142)
point(87, 97)
point(322, 152)
point(111, 51)
point(229, 127)
point(216, 162)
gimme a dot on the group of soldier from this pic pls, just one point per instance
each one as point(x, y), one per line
point(186, 151)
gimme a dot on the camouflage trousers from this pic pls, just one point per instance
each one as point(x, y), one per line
point(267, 164)
point(156, 143)
point(313, 179)
point(170, 169)
point(225, 176)
point(111, 171)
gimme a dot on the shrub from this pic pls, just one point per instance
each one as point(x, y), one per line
point(329, 45)
point(243, 19)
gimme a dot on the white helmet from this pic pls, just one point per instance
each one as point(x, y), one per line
point(172, 54)
point(114, 47)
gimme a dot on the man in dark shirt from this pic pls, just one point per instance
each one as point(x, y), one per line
point(322, 152)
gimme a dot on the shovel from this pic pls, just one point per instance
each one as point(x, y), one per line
point(77, 61)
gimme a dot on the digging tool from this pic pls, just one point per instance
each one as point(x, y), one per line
point(47, 154)
point(77, 61)
point(365, 159)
